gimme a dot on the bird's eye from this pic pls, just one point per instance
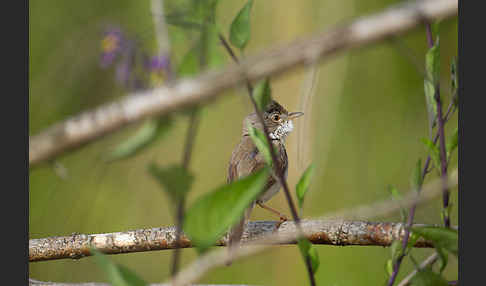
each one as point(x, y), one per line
point(276, 117)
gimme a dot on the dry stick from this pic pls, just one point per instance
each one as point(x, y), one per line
point(94, 124)
point(77, 246)
point(277, 170)
point(217, 258)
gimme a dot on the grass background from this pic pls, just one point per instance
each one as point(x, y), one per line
point(363, 133)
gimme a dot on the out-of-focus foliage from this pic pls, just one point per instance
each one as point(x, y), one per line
point(364, 132)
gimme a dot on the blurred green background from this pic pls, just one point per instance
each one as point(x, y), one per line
point(363, 131)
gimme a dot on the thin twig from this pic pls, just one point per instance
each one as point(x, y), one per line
point(430, 260)
point(276, 163)
point(94, 124)
point(33, 282)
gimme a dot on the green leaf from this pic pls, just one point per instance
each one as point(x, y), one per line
point(260, 141)
point(417, 176)
point(432, 63)
point(432, 67)
point(396, 250)
point(262, 93)
point(190, 63)
point(303, 185)
point(175, 180)
point(307, 250)
point(452, 143)
point(443, 258)
point(430, 102)
point(151, 130)
point(240, 27)
point(412, 239)
point(428, 278)
point(389, 267)
point(117, 274)
point(441, 237)
point(433, 151)
point(213, 213)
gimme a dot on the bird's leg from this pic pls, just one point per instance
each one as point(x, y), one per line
point(282, 217)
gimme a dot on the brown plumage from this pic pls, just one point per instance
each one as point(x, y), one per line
point(246, 159)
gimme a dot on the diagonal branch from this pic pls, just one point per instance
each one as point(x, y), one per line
point(335, 232)
point(94, 124)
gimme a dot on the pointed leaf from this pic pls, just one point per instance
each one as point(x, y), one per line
point(389, 267)
point(428, 278)
point(240, 27)
point(303, 184)
point(262, 93)
point(175, 180)
point(213, 213)
point(454, 81)
point(443, 258)
point(307, 250)
point(260, 141)
point(441, 237)
point(430, 102)
point(396, 250)
point(151, 130)
point(118, 275)
point(432, 63)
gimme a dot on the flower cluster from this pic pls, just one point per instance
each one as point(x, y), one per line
point(134, 68)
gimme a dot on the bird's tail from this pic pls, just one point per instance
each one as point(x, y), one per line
point(235, 235)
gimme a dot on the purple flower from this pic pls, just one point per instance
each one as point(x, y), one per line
point(111, 46)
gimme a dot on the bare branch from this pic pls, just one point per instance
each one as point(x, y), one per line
point(318, 232)
point(431, 259)
point(91, 125)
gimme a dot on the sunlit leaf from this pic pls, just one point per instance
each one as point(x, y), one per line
point(240, 27)
point(440, 236)
point(175, 180)
point(260, 141)
point(307, 250)
point(303, 184)
point(117, 274)
point(213, 213)
point(389, 267)
point(262, 93)
point(150, 131)
point(428, 278)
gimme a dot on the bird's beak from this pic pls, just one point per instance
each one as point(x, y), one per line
point(293, 115)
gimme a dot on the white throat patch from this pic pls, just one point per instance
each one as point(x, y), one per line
point(283, 130)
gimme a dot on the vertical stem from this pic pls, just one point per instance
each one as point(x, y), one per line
point(443, 167)
point(277, 170)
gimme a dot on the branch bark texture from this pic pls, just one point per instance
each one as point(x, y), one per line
point(94, 124)
point(336, 232)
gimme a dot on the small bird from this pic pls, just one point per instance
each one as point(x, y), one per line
point(246, 159)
